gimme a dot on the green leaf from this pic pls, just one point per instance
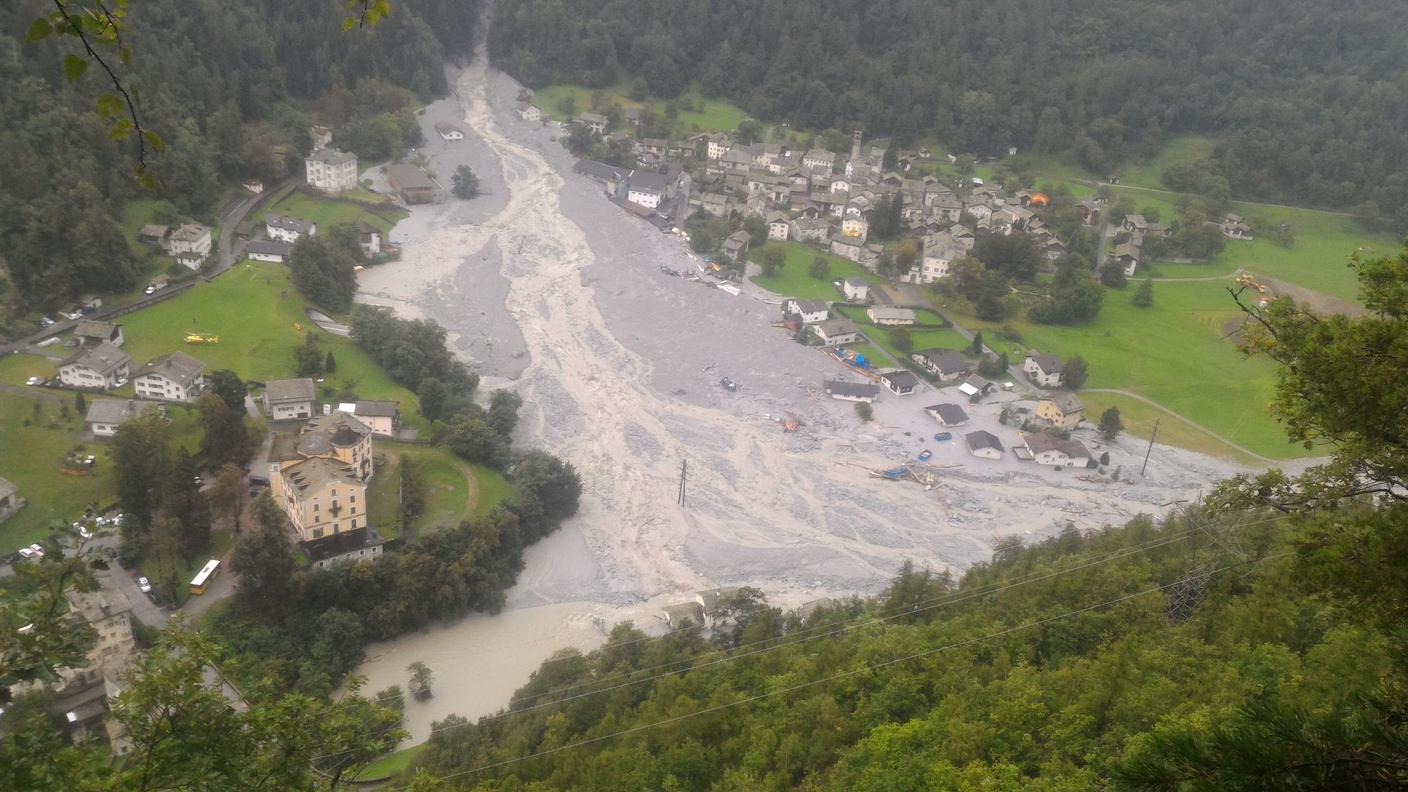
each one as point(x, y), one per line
point(109, 105)
point(349, 23)
point(121, 129)
point(39, 30)
point(74, 67)
point(154, 140)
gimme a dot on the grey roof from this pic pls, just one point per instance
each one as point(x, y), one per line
point(777, 217)
point(649, 180)
point(378, 409)
point(115, 411)
point(811, 306)
point(269, 247)
point(900, 378)
point(314, 474)
point(982, 439)
point(301, 389)
point(288, 223)
point(857, 389)
point(1050, 364)
point(103, 358)
point(855, 280)
point(810, 223)
point(190, 232)
point(882, 313)
point(944, 360)
point(597, 170)
point(833, 327)
point(1067, 403)
point(175, 366)
point(949, 414)
point(324, 432)
point(332, 156)
point(1043, 441)
point(595, 118)
point(91, 328)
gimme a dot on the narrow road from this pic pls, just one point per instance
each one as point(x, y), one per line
point(1190, 422)
point(328, 324)
point(1101, 243)
point(1090, 183)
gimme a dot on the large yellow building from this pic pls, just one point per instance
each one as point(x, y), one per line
point(319, 480)
point(322, 498)
point(1062, 410)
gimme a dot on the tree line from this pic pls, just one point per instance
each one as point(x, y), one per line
point(1303, 117)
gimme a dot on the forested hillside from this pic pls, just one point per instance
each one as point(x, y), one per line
point(1305, 96)
point(230, 87)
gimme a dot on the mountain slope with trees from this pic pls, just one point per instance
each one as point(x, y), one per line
point(1301, 94)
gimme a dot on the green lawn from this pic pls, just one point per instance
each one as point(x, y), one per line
point(1180, 150)
point(33, 451)
point(328, 212)
point(1175, 354)
point(259, 317)
point(15, 369)
point(921, 338)
point(711, 114)
point(391, 764)
point(872, 353)
point(455, 490)
point(1138, 419)
point(796, 281)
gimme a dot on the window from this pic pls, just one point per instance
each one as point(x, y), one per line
point(317, 532)
point(352, 497)
point(335, 527)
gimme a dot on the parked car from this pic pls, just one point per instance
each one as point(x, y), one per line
point(84, 533)
point(26, 552)
point(45, 321)
point(34, 381)
point(37, 549)
point(151, 289)
point(728, 384)
point(144, 585)
point(942, 436)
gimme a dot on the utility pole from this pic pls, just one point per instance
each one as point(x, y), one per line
point(1150, 449)
point(684, 477)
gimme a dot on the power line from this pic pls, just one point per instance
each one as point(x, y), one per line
point(842, 675)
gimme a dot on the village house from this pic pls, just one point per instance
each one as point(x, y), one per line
point(268, 250)
point(1127, 254)
point(716, 204)
point(529, 112)
point(382, 417)
point(91, 333)
point(855, 289)
point(100, 367)
point(1135, 224)
point(154, 234)
point(646, 188)
point(716, 144)
point(321, 497)
point(1089, 209)
point(983, 444)
point(106, 416)
point(855, 227)
point(368, 237)
point(1062, 410)
point(975, 387)
point(1234, 227)
point(735, 245)
point(851, 391)
point(947, 414)
point(1048, 449)
point(940, 251)
point(848, 248)
point(684, 614)
point(83, 691)
point(889, 316)
point(289, 399)
point(174, 376)
point(10, 500)
point(283, 228)
point(449, 131)
point(190, 244)
point(807, 311)
point(330, 170)
point(947, 364)
point(819, 159)
point(410, 183)
point(833, 332)
point(778, 226)
point(596, 122)
point(899, 382)
point(806, 229)
point(1043, 370)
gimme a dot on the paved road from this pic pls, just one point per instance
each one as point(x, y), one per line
point(1184, 419)
point(1090, 183)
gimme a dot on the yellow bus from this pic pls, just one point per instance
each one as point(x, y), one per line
point(204, 576)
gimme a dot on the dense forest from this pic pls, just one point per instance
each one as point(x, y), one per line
point(1304, 96)
point(230, 87)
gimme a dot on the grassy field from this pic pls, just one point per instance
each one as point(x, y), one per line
point(258, 315)
point(33, 451)
point(794, 280)
point(1179, 151)
point(328, 212)
point(1174, 353)
point(877, 357)
point(391, 764)
point(710, 114)
point(1138, 419)
point(15, 369)
point(455, 490)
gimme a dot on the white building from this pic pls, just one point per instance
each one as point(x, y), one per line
point(267, 250)
point(175, 376)
point(449, 132)
point(855, 289)
point(779, 227)
point(819, 158)
point(331, 171)
point(282, 228)
point(97, 368)
point(106, 416)
point(852, 391)
point(1043, 370)
point(984, 444)
point(1048, 449)
point(192, 239)
point(289, 399)
point(889, 316)
point(807, 311)
point(529, 112)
